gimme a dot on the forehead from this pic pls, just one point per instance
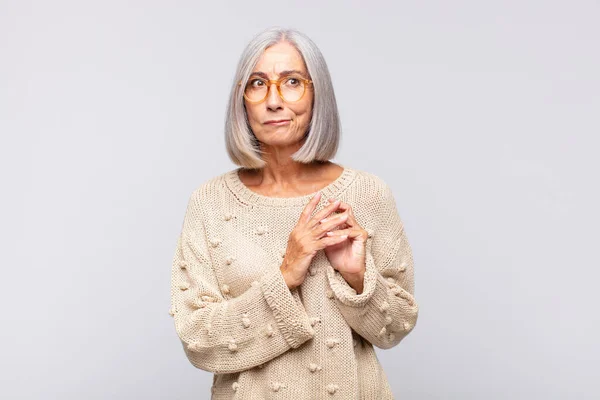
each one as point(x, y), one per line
point(280, 57)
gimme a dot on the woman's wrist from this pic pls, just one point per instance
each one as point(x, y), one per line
point(289, 280)
point(355, 281)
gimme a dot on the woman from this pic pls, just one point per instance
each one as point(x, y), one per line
point(255, 300)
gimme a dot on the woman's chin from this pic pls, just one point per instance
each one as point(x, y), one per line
point(282, 135)
point(281, 141)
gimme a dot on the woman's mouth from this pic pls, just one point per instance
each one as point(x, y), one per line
point(278, 122)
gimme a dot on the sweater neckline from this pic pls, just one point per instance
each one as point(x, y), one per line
point(235, 184)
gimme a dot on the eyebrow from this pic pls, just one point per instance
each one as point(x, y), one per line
point(281, 74)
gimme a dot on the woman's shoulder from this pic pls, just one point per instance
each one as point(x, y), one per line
point(212, 187)
point(370, 184)
point(370, 177)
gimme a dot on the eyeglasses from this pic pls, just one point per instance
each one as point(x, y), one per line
point(290, 88)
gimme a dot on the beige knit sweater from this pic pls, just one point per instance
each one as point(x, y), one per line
point(237, 318)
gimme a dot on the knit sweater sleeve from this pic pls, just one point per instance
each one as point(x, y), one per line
point(386, 310)
point(226, 335)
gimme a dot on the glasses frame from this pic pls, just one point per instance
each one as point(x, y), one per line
point(277, 82)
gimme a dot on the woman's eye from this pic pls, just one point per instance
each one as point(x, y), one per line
point(292, 82)
point(256, 83)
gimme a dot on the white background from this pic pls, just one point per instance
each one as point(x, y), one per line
point(482, 116)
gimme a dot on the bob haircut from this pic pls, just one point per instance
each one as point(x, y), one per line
point(324, 129)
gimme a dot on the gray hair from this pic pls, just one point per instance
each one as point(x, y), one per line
point(324, 129)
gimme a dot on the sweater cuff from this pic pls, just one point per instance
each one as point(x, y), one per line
point(292, 320)
point(345, 293)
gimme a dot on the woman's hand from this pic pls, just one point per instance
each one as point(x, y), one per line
point(348, 256)
point(309, 236)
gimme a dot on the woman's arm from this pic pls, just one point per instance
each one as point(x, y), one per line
point(385, 311)
point(229, 335)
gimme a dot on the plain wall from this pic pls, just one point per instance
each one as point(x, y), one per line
point(482, 116)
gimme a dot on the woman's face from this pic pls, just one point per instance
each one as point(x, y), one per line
point(277, 61)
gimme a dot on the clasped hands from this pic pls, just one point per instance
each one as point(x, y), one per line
point(333, 229)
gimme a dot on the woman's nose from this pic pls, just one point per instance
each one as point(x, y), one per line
point(273, 100)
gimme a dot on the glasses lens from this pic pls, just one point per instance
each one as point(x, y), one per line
point(292, 88)
point(256, 89)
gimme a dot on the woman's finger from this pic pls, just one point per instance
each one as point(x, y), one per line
point(310, 207)
point(314, 221)
point(351, 221)
point(326, 241)
point(349, 232)
point(329, 223)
